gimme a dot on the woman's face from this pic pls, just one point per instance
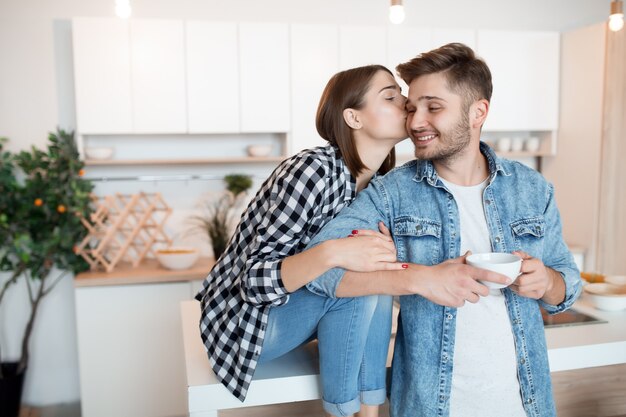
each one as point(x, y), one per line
point(383, 117)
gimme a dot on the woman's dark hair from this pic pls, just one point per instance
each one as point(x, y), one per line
point(346, 90)
point(466, 74)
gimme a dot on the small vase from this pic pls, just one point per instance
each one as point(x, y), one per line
point(11, 385)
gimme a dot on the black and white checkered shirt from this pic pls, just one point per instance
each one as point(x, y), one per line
point(303, 193)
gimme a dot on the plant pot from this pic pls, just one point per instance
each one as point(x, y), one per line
point(11, 385)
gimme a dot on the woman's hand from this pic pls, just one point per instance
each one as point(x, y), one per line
point(367, 251)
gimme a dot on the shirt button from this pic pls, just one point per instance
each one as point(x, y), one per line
point(418, 227)
point(448, 316)
point(487, 202)
point(444, 357)
point(516, 321)
point(522, 361)
point(497, 239)
point(263, 327)
point(442, 397)
point(529, 401)
point(256, 354)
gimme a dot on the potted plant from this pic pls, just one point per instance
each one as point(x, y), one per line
point(42, 197)
point(218, 214)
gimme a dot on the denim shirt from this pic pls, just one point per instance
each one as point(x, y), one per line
point(422, 214)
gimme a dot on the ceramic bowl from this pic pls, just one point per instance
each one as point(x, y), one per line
point(259, 150)
point(606, 297)
point(615, 279)
point(502, 263)
point(177, 257)
point(98, 153)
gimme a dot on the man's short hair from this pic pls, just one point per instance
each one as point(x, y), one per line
point(466, 74)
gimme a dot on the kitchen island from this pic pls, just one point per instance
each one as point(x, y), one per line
point(580, 357)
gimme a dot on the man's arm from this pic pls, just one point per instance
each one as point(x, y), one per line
point(554, 280)
point(450, 283)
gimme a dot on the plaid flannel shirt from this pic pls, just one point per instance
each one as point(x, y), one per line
point(303, 193)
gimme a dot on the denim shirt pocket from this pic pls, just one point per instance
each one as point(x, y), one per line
point(418, 240)
point(528, 234)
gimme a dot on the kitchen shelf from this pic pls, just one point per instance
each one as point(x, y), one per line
point(186, 161)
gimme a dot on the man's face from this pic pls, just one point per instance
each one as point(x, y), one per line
point(438, 120)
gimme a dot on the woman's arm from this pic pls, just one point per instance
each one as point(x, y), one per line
point(373, 252)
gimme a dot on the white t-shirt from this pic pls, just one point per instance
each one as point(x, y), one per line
point(484, 377)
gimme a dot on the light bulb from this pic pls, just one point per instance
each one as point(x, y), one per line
point(396, 14)
point(122, 9)
point(616, 22)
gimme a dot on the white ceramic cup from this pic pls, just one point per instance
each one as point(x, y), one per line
point(503, 144)
point(532, 144)
point(517, 144)
point(502, 263)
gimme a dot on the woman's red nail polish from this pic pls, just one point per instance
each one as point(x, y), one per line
point(355, 232)
point(405, 266)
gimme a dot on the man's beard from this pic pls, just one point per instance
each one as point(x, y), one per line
point(453, 142)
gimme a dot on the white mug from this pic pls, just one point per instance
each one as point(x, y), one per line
point(503, 145)
point(532, 144)
point(502, 263)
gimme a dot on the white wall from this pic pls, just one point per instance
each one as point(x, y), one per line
point(36, 95)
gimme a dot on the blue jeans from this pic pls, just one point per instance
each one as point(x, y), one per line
point(353, 338)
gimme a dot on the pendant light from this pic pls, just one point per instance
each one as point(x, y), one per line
point(123, 9)
point(616, 19)
point(396, 12)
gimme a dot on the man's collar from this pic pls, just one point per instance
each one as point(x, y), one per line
point(426, 169)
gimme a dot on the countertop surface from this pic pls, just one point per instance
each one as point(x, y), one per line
point(588, 345)
point(148, 272)
point(572, 347)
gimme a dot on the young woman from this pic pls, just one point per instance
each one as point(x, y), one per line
point(254, 304)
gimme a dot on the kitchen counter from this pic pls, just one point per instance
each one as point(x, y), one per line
point(147, 272)
point(588, 345)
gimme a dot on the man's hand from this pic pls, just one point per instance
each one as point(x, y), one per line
point(453, 282)
point(538, 281)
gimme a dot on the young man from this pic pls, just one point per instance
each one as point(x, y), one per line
point(488, 357)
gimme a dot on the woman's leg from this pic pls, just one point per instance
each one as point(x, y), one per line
point(342, 336)
point(342, 327)
point(292, 324)
point(373, 373)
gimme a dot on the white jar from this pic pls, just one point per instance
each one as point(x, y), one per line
point(517, 144)
point(503, 144)
point(532, 144)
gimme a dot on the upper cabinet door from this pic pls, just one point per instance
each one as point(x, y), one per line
point(212, 77)
point(158, 76)
point(314, 59)
point(264, 77)
point(525, 71)
point(102, 75)
point(362, 45)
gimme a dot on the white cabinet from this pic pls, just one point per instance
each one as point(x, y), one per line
point(525, 72)
point(264, 77)
point(212, 77)
point(129, 76)
point(158, 76)
point(362, 45)
point(102, 75)
point(130, 349)
point(314, 59)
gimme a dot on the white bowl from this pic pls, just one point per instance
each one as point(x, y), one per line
point(616, 279)
point(606, 297)
point(177, 257)
point(502, 263)
point(98, 153)
point(259, 150)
